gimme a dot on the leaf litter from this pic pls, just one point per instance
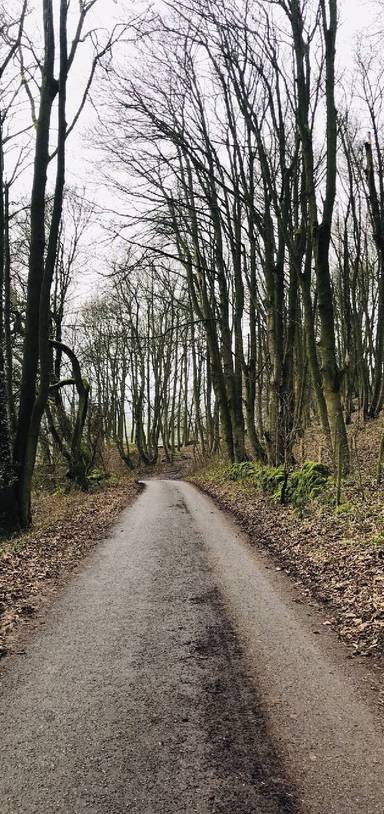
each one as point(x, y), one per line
point(337, 560)
point(34, 565)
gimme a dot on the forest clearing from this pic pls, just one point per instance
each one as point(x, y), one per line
point(191, 406)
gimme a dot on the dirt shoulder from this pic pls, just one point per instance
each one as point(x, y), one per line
point(34, 565)
point(336, 560)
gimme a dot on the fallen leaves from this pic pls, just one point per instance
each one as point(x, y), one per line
point(34, 565)
point(333, 558)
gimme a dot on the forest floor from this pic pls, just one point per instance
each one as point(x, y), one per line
point(335, 557)
point(35, 564)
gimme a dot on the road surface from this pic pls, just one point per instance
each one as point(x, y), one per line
point(176, 673)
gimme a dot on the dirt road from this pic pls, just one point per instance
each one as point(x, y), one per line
point(177, 673)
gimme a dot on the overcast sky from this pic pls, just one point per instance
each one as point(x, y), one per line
point(82, 170)
point(356, 15)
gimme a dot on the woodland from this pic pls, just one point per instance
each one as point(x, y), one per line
point(237, 307)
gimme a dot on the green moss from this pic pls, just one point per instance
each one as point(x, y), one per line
point(344, 508)
point(59, 491)
point(377, 541)
point(306, 483)
point(247, 469)
point(298, 487)
point(97, 475)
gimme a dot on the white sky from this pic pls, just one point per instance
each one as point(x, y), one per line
point(355, 16)
point(82, 170)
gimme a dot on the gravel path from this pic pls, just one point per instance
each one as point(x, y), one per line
point(177, 674)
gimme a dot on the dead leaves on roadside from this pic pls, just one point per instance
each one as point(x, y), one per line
point(331, 558)
point(34, 565)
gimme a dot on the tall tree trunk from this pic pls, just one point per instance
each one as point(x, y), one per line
point(23, 448)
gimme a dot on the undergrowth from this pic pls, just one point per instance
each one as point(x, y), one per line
point(296, 487)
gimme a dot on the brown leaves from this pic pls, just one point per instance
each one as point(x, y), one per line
point(33, 565)
point(338, 560)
